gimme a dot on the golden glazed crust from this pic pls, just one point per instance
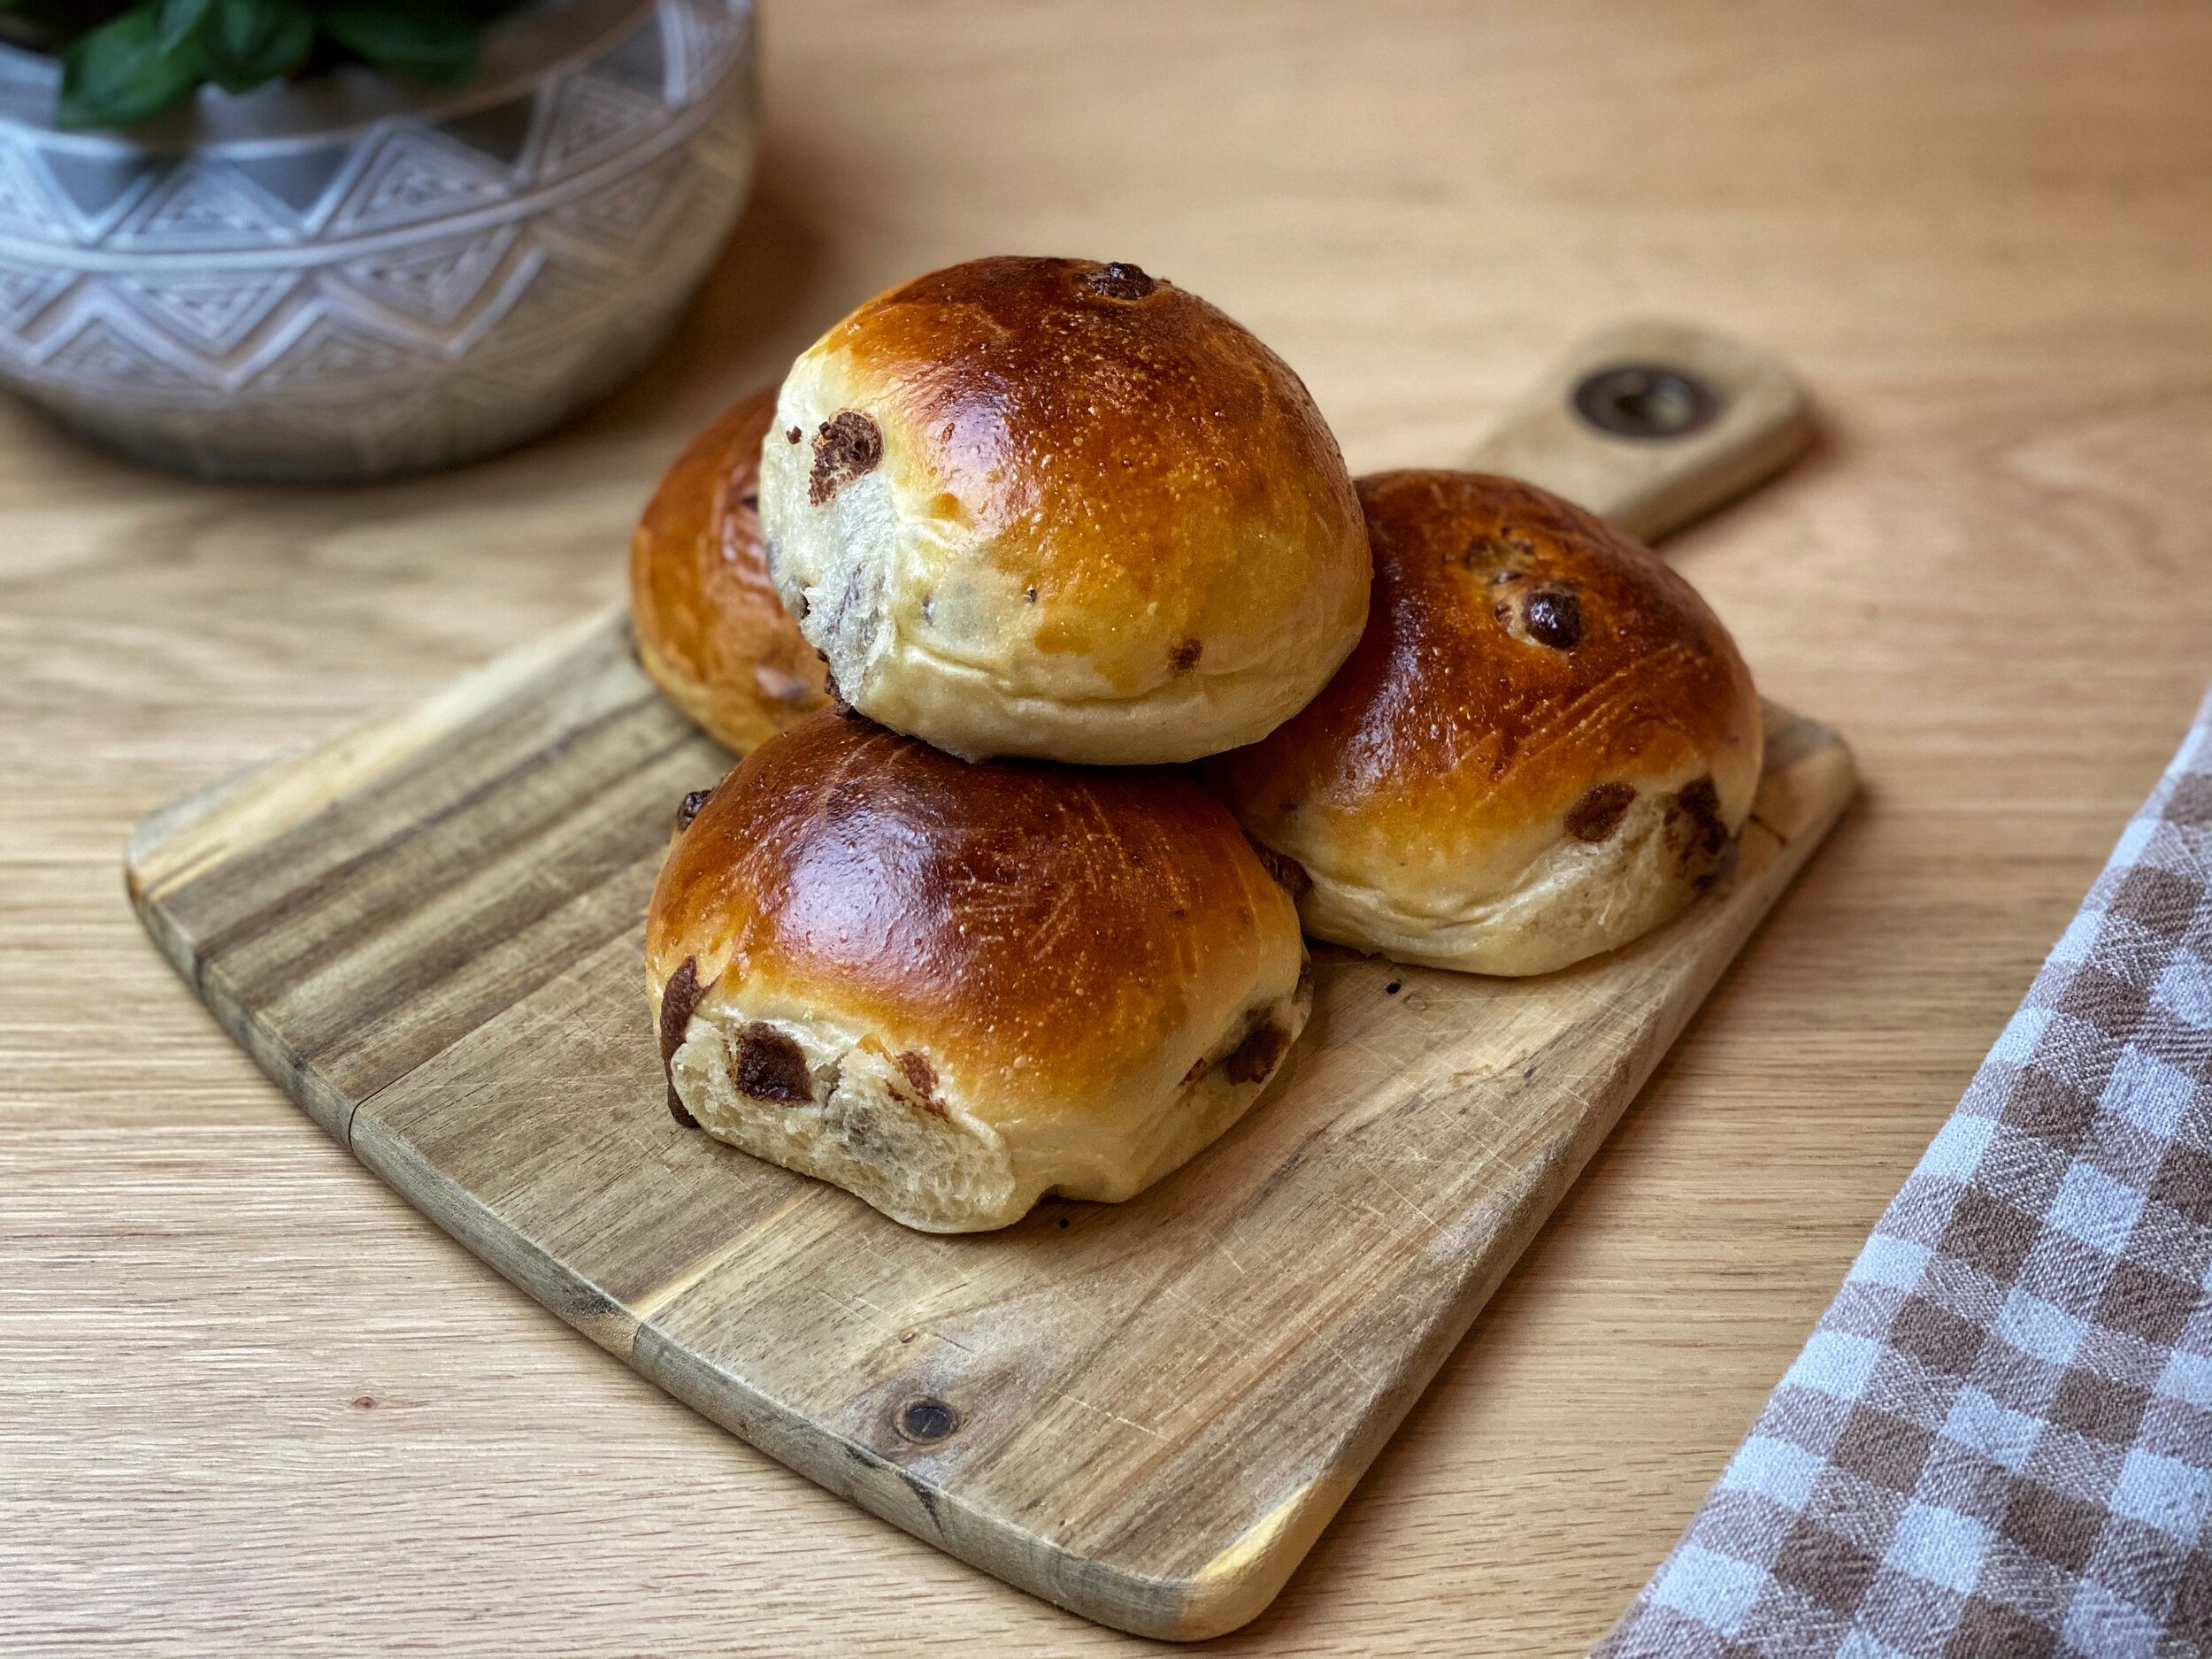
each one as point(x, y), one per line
point(1045, 938)
point(711, 630)
point(1052, 507)
point(1535, 693)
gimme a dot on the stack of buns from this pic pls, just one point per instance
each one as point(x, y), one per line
point(1011, 544)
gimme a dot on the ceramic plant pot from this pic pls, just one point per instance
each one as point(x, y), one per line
point(343, 279)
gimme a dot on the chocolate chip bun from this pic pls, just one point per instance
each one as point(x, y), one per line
point(1543, 747)
point(711, 630)
point(1055, 508)
point(952, 988)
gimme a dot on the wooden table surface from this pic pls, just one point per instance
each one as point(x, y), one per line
point(250, 1401)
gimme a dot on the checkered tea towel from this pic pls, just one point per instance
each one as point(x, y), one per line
point(1998, 1441)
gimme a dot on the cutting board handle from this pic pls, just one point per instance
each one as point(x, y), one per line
point(1651, 424)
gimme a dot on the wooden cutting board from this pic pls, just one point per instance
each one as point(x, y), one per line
point(428, 931)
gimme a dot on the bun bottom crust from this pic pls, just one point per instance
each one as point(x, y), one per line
point(738, 720)
point(831, 1100)
point(1575, 900)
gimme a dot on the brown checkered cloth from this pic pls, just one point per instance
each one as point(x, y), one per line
point(1998, 1441)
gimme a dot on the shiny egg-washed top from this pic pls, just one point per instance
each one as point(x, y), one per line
point(1151, 486)
point(709, 624)
point(1036, 929)
point(1526, 671)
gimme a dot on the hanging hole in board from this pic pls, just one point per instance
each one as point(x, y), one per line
point(1643, 399)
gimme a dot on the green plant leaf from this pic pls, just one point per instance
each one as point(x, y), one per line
point(180, 19)
point(423, 40)
point(248, 42)
point(119, 74)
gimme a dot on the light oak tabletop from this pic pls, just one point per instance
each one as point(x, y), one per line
point(251, 1402)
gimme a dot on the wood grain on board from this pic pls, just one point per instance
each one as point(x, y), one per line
point(431, 936)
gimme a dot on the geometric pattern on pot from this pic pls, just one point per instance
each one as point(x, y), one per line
point(346, 279)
